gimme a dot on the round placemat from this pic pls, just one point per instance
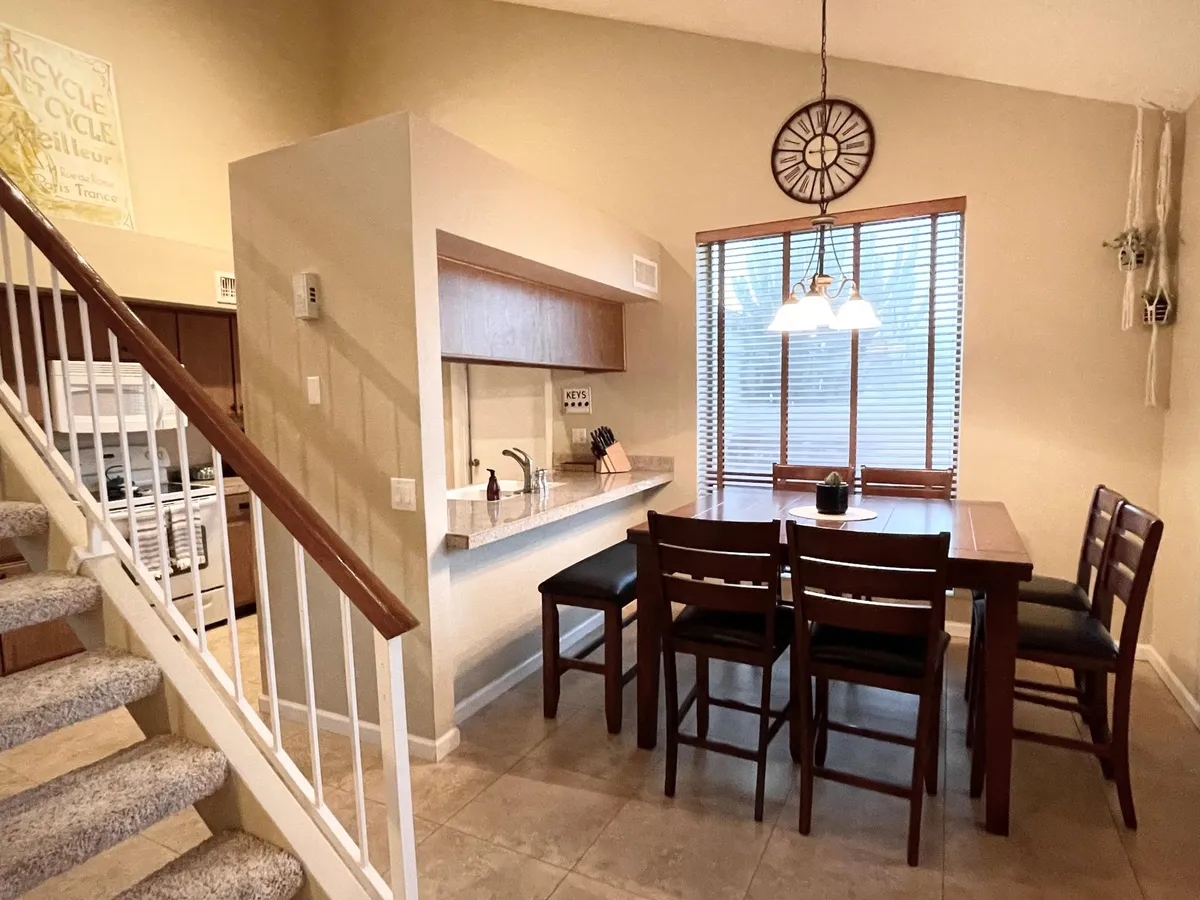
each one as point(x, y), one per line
point(853, 514)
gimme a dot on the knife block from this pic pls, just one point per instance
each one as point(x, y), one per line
point(614, 461)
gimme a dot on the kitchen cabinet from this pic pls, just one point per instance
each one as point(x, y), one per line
point(237, 375)
point(239, 533)
point(206, 351)
point(489, 317)
point(33, 645)
point(204, 340)
point(161, 322)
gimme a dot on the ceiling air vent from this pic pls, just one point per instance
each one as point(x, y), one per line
point(226, 289)
point(645, 274)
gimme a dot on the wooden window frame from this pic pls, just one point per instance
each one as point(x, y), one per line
point(712, 244)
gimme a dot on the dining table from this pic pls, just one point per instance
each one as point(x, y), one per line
point(986, 553)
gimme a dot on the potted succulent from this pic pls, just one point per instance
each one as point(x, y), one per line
point(833, 495)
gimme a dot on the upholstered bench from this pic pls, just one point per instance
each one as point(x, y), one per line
point(606, 581)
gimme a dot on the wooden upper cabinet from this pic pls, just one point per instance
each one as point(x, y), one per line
point(206, 350)
point(165, 325)
point(490, 317)
point(160, 321)
point(205, 342)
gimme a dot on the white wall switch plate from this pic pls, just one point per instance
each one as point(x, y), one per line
point(579, 436)
point(577, 400)
point(314, 389)
point(404, 494)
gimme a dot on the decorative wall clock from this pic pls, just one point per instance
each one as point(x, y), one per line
point(822, 151)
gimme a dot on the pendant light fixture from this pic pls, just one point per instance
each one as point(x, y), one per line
point(813, 309)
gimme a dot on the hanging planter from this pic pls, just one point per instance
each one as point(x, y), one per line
point(1132, 248)
point(1132, 244)
point(1157, 303)
point(1156, 308)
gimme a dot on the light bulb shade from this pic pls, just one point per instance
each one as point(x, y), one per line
point(807, 313)
point(856, 314)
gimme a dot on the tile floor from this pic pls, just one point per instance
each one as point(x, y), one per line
point(528, 809)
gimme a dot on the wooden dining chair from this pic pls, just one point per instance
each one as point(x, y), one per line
point(806, 478)
point(726, 577)
point(1080, 640)
point(897, 644)
point(1063, 592)
point(931, 484)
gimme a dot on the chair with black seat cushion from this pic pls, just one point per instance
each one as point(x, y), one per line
point(897, 644)
point(606, 581)
point(1045, 590)
point(1080, 640)
point(726, 577)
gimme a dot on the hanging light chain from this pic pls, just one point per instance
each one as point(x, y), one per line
point(824, 204)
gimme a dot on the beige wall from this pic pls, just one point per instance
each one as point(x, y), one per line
point(199, 84)
point(376, 198)
point(670, 132)
point(363, 348)
point(1177, 596)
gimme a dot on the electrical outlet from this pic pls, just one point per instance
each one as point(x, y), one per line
point(578, 435)
point(577, 400)
point(404, 494)
point(314, 389)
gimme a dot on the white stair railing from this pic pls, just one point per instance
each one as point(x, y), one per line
point(157, 550)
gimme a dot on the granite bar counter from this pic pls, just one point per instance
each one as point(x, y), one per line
point(476, 523)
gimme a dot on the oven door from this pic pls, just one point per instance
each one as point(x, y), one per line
point(178, 563)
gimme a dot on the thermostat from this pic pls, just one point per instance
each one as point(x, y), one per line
point(306, 295)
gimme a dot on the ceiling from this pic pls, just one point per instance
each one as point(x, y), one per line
point(1130, 51)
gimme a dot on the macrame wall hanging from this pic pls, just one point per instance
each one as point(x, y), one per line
point(1156, 299)
point(1131, 243)
point(1143, 245)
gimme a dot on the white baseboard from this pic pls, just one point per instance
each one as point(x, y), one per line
point(434, 751)
point(1145, 652)
point(1178, 689)
point(959, 631)
point(368, 732)
point(510, 679)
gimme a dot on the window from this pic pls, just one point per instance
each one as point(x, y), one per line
point(888, 397)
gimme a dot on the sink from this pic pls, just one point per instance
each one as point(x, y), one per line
point(478, 492)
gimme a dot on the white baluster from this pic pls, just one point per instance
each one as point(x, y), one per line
point(393, 725)
point(306, 655)
point(160, 518)
point(360, 803)
point(224, 525)
point(189, 512)
point(73, 435)
point(114, 354)
point(264, 611)
point(98, 442)
point(13, 324)
point(35, 309)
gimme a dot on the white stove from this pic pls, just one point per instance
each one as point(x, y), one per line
point(163, 543)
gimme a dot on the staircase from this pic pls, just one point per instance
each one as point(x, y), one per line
point(53, 827)
point(214, 739)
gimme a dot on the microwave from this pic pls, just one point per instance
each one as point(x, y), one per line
point(144, 404)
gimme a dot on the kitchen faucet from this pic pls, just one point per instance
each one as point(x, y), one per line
point(526, 463)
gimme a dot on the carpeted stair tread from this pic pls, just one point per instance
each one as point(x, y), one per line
point(20, 519)
point(228, 866)
point(52, 696)
point(55, 826)
point(44, 596)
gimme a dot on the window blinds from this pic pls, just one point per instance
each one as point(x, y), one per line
point(888, 397)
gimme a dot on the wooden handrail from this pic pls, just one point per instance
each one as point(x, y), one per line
point(383, 609)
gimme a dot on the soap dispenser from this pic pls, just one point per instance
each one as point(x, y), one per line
point(493, 486)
